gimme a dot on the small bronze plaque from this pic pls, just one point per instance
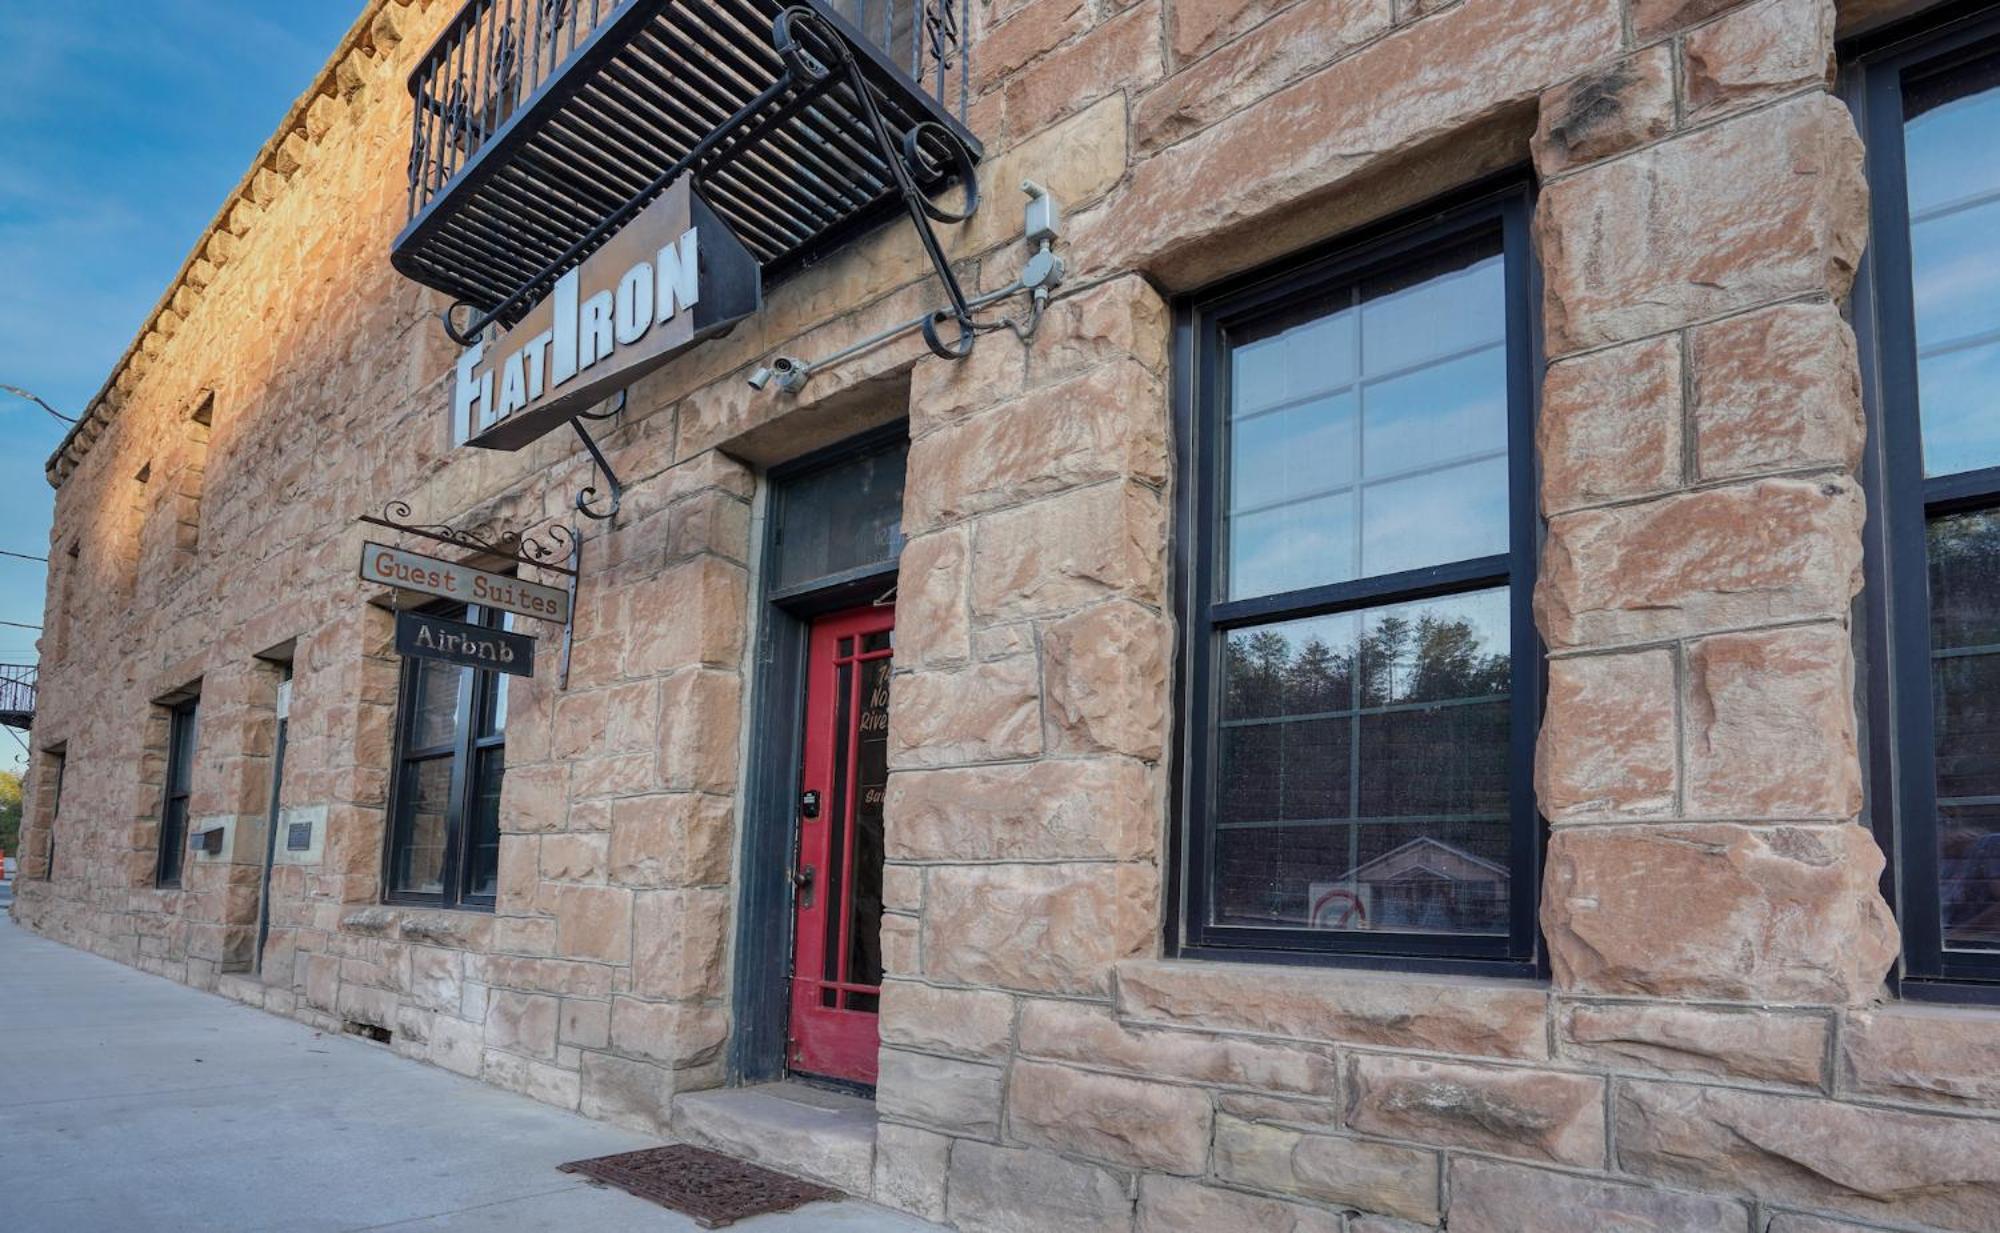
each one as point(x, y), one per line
point(299, 837)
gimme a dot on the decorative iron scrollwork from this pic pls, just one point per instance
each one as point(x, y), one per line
point(941, 32)
point(552, 548)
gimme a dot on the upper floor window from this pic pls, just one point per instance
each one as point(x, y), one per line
point(1930, 322)
point(451, 738)
point(1364, 672)
point(183, 723)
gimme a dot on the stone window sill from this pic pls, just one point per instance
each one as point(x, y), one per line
point(1472, 1015)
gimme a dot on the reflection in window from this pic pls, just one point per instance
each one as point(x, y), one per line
point(444, 845)
point(1354, 743)
point(183, 723)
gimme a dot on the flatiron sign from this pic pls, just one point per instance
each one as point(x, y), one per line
point(671, 277)
point(413, 571)
point(420, 635)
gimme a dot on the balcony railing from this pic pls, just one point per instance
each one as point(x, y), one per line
point(536, 120)
point(17, 695)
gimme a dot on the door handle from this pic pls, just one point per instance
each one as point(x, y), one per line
point(802, 882)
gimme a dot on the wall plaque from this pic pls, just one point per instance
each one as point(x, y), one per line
point(422, 636)
point(413, 571)
point(671, 277)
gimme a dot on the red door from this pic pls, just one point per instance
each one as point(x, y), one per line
point(837, 955)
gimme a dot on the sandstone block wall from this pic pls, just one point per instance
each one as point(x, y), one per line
point(1713, 1049)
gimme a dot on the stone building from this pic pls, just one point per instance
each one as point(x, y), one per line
point(1436, 675)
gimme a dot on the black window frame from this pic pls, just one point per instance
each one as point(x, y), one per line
point(478, 692)
point(1895, 608)
point(59, 755)
point(183, 716)
point(1504, 206)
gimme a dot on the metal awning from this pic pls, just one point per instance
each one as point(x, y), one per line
point(540, 127)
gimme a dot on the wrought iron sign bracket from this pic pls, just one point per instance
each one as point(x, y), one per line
point(587, 495)
point(557, 552)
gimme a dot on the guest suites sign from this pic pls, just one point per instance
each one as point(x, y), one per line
point(671, 277)
point(422, 636)
point(414, 571)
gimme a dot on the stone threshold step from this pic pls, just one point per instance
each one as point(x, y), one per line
point(826, 1136)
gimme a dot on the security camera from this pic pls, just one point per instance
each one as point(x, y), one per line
point(788, 372)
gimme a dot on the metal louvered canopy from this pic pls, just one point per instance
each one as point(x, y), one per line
point(540, 126)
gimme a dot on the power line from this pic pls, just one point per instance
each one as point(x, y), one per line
point(18, 392)
point(18, 625)
point(23, 556)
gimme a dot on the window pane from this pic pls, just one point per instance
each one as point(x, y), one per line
point(482, 869)
point(1965, 676)
point(435, 722)
point(1953, 166)
point(417, 864)
point(1389, 405)
point(181, 757)
point(842, 518)
point(1362, 777)
point(173, 838)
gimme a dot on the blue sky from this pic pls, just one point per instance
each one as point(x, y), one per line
point(122, 126)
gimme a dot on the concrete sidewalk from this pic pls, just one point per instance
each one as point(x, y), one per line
point(129, 1103)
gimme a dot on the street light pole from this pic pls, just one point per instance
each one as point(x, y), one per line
point(18, 392)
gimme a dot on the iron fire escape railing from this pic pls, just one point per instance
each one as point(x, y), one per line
point(540, 125)
point(17, 696)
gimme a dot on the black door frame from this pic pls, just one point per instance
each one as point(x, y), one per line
point(761, 988)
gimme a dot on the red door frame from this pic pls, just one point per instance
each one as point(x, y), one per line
point(832, 1041)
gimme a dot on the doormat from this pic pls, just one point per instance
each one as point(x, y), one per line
point(712, 1189)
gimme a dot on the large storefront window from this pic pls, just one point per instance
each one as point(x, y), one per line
point(444, 844)
point(1930, 109)
point(1364, 672)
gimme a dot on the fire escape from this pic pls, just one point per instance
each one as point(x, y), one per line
point(541, 127)
point(17, 696)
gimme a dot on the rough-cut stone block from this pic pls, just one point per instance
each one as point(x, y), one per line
point(671, 1033)
point(1748, 554)
point(1043, 928)
point(678, 942)
point(1105, 673)
point(1459, 1015)
point(594, 922)
point(1609, 746)
point(1490, 1197)
point(1781, 914)
point(1776, 389)
point(1014, 1190)
point(1375, 1177)
point(1906, 1168)
point(1770, 725)
point(1110, 421)
point(1763, 1046)
point(910, 1170)
point(1760, 51)
point(699, 718)
point(1064, 552)
point(1608, 110)
point(1176, 1205)
point(1210, 207)
point(1121, 53)
point(931, 578)
point(981, 713)
point(966, 1022)
point(960, 1097)
point(1297, 41)
point(1120, 1121)
point(1761, 208)
point(670, 839)
point(1930, 1054)
point(541, 1081)
point(1795, 1222)
point(1534, 1114)
point(627, 1092)
point(1119, 320)
point(522, 1023)
point(1610, 427)
point(1104, 808)
point(1092, 1036)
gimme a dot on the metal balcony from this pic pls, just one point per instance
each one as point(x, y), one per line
point(540, 126)
point(17, 696)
